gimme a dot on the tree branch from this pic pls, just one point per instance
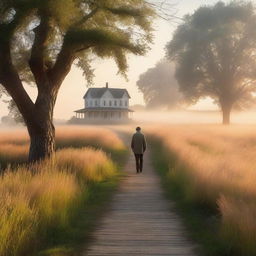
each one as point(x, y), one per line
point(37, 58)
point(62, 65)
point(76, 41)
point(164, 10)
point(9, 76)
point(85, 18)
point(99, 37)
point(11, 82)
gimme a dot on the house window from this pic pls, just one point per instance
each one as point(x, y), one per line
point(110, 103)
point(121, 103)
point(126, 104)
point(115, 102)
point(104, 103)
point(95, 103)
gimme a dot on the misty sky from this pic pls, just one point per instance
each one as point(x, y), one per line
point(71, 93)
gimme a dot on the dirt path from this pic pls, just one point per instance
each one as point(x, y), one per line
point(140, 220)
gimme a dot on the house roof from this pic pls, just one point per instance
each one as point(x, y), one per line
point(97, 93)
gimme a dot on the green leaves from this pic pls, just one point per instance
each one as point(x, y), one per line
point(100, 37)
point(105, 28)
point(64, 12)
point(105, 44)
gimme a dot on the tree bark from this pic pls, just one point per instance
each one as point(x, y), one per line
point(42, 141)
point(226, 111)
point(41, 128)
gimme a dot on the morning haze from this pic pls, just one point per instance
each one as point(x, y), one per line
point(74, 86)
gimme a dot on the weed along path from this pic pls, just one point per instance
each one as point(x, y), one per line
point(140, 220)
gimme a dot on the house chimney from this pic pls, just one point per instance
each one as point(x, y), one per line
point(106, 84)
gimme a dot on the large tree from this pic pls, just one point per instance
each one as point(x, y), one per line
point(159, 86)
point(214, 50)
point(41, 39)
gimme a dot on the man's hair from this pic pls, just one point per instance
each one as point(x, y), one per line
point(138, 129)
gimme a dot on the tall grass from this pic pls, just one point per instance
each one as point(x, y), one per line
point(14, 145)
point(74, 136)
point(13, 153)
point(215, 167)
point(69, 136)
point(37, 199)
point(88, 164)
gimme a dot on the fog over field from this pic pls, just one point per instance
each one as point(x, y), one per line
point(177, 117)
point(193, 117)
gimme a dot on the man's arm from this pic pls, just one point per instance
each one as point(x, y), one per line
point(132, 142)
point(144, 144)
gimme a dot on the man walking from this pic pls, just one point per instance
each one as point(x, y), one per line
point(138, 146)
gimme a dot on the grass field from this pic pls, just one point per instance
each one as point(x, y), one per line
point(212, 170)
point(44, 206)
point(14, 145)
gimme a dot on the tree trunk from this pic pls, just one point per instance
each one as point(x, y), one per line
point(41, 128)
point(42, 141)
point(226, 111)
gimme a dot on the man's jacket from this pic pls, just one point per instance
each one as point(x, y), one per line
point(138, 143)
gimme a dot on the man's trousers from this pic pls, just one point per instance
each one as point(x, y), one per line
point(139, 162)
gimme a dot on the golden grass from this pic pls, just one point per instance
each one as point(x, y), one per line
point(92, 165)
point(18, 223)
point(37, 198)
point(219, 164)
point(15, 137)
point(14, 145)
point(12, 153)
point(83, 136)
point(35, 202)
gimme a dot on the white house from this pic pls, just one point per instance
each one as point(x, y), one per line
point(105, 104)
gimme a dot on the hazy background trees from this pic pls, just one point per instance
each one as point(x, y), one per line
point(159, 86)
point(214, 50)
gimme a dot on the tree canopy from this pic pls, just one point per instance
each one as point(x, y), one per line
point(41, 39)
point(106, 28)
point(159, 86)
point(214, 51)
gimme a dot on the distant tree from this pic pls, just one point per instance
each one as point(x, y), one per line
point(214, 50)
point(159, 86)
point(40, 40)
point(14, 112)
point(7, 120)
